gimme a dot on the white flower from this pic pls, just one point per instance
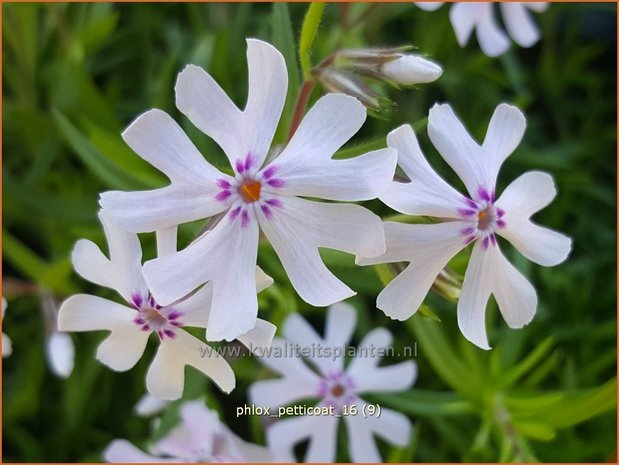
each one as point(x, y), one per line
point(7, 347)
point(130, 326)
point(334, 385)
point(476, 218)
point(200, 437)
point(149, 405)
point(260, 195)
point(412, 69)
point(479, 16)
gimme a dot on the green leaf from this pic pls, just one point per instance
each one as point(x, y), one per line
point(308, 34)
point(422, 402)
point(283, 39)
point(564, 408)
point(101, 166)
point(53, 276)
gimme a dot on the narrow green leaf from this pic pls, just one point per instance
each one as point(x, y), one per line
point(109, 173)
point(283, 39)
point(53, 276)
point(308, 34)
point(422, 402)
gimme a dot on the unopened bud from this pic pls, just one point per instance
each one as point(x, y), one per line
point(344, 82)
point(408, 70)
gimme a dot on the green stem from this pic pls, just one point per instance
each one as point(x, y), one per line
point(308, 34)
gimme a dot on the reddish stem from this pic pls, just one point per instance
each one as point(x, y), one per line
point(299, 108)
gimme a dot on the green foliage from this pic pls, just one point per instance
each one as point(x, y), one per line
point(76, 74)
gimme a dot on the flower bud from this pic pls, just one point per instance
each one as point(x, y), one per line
point(408, 70)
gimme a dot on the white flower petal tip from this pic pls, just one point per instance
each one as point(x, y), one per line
point(409, 70)
point(7, 346)
point(149, 405)
point(60, 354)
point(429, 6)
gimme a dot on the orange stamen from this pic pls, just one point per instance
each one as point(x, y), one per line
point(250, 191)
point(481, 215)
point(337, 390)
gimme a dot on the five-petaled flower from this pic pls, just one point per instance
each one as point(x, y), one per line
point(130, 326)
point(478, 217)
point(479, 16)
point(260, 195)
point(333, 385)
point(199, 438)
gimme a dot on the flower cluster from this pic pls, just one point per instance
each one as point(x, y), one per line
point(301, 198)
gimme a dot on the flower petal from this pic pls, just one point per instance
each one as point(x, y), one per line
point(427, 193)
point(268, 83)
point(274, 393)
point(540, 245)
point(125, 257)
point(122, 272)
point(126, 343)
point(525, 196)
point(456, 146)
point(147, 211)
point(429, 6)
point(429, 248)
point(122, 451)
point(329, 124)
point(282, 359)
point(519, 24)
point(360, 178)
point(166, 240)
point(260, 337)
point(321, 431)
point(208, 107)
point(149, 405)
point(7, 346)
point(538, 7)
point(492, 39)
point(391, 426)
point(227, 257)
point(299, 332)
point(515, 296)
point(364, 369)
point(159, 140)
point(299, 227)
point(340, 324)
point(166, 376)
point(476, 290)
point(60, 352)
point(464, 18)
point(504, 133)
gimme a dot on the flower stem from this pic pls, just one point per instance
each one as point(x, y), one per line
point(299, 108)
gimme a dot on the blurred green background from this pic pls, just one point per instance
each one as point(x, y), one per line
point(74, 75)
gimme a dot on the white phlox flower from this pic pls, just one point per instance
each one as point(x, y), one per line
point(467, 17)
point(332, 384)
point(131, 325)
point(7, 346)
point(477, 218)
point(258, 195)
point(200, 437)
